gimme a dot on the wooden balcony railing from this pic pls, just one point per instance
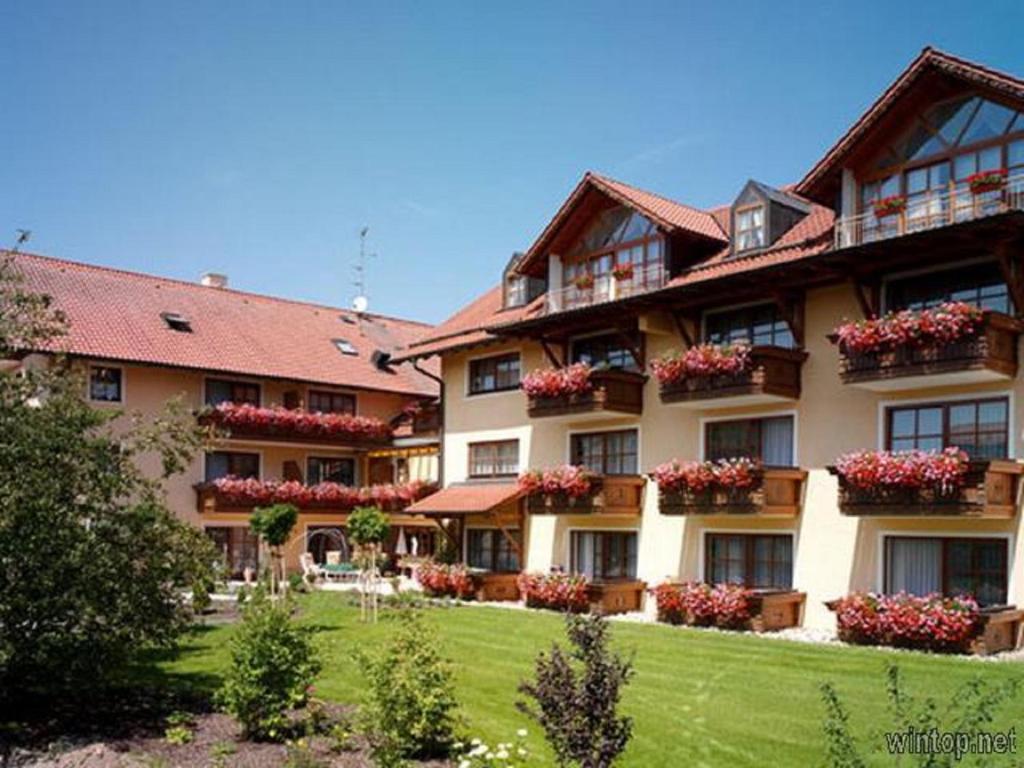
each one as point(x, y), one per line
point(605, 289)
point(613, 392)
point(936, 208)
point(774, 374)
point(991, 355)
point(990, 490)
point(779, 494)
point(612, 495)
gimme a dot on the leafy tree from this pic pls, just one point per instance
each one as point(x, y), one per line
point(274, 524)
point(576, 704)
point(273, 666)
point(367, 526)
point(93, 566)
point(411, 707)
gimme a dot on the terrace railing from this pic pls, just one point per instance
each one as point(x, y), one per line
point(605, 289)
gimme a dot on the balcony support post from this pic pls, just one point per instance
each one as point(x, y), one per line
point(869, 296)
point(1009, 265)
point(684, 331)
point(634, 349)
point(551, 356)
point(791, 307)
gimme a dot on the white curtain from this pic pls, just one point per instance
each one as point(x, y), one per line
point(777, 439)
point(585, 556)
point(914, 565)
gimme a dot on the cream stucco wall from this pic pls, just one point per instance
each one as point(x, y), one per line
point(832, 554)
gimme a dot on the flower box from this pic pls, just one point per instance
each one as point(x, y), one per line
point(987, 181)
point(439, 580)
point(889, 206)
point(736, 487)
point(907, 350)
point(609, 597)
point(250, 421)
point(608, 392)
point(584, 282)
point(494, 587)
point(231, 494)
point(762, 374)
point(623, 271)
point(728, 606)
point(555, 591)
point(986, 489)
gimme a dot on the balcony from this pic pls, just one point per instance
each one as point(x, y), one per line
point(240, 496)
point(990, 355)
point(773, 377)
point(612, 393)
point(939, 208)
point(611, 495)
point(605, 289)
point(249, 422)
point(989, 490)
point(778, 494)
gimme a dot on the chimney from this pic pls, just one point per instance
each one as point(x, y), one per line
point(214, 280)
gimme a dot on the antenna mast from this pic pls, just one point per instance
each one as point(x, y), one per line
point(361, 300)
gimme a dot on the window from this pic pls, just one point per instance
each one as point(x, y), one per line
point(321, 539)
point(750, 228)
point(331, 469)
point(322, 401)
point(760, 325)
point(176, 322)
point(980, 427)
point(105, 384)
point(345, 347)
point(499, 458)
point(516, 290)
point(979, 284)
point(768, 440)
point(763, 561)
point(604, 555)
point(232, 464)
point(491, 549)
point(238, 546)
point(949, 566)
point(609, 350)
point(225, 391)
point(606, 453)
point(494, 374)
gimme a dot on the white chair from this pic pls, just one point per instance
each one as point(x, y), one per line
point(310, 570)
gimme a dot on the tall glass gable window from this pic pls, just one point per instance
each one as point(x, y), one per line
point(616, 237)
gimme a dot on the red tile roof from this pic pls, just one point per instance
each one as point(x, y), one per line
point(115, 314)
point(928, 59)
point(466, 499)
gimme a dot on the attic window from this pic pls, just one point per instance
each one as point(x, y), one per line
point(176, 322)
point(750, 228)
point(345, 347)
point(516, 287)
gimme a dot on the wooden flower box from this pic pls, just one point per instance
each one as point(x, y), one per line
point(773, 376)
point(1000, 630)
point(560, 504)
point(772, 610)
point(611, 495)
point(613, 392)
point(990, 490)
point(496, 587)
point(778, 495)
point(990, 355)
point(610, 597)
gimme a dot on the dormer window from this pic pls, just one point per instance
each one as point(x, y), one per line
point(516, 290)
point(750, 228)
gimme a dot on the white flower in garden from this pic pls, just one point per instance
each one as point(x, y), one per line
point(465, 764)
point(474, 742)
point(521, 752)
point(502, 754)
point(521, 733)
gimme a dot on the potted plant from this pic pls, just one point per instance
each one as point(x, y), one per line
point(889, 206)
point(584, 282)
point(623, 271)
point(987, 181)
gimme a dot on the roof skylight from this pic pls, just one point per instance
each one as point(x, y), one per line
point(345, 347)
point(177, 322)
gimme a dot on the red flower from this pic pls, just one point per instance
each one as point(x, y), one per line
point(702, 361)
point(555, 382)
point(887, 206)
point(440, 580)
point(558, 591)
point(697, 476)
point(987, 181)
point(234, 491)
point(569, 479)
point(703, 605)
point(943, 471)
point(623, 271)
point(949, 322)
point(293, 422)
point(930, 623)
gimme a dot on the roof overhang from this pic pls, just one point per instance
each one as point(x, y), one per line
point(466, 499)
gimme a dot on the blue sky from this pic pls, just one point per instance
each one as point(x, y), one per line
point(256, 138)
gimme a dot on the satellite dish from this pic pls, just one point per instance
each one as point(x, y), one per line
point(360, 303)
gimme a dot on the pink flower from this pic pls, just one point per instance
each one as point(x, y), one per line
point(558, 591)
point(569, 479)
point(930, 623)
point(556, 382)
point(698, 476)
point(234, 491)
point(703, 605)
point(293, 422)
point(702, 361)
point(947, 323)
point(943, 471)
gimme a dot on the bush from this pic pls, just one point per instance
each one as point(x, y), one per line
point(576, 704)
point(367, 526)
point(410, 711)
point(557, 591)
point(932, 623)
point(440, 580)
point(698, 604)
point(273, 665)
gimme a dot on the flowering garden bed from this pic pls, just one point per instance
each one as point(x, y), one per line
point(577, 594)
point(728, 606)
point(932, 623)
point(954, 337)
point(237, 494)
point(926, 483)
point(242, 420)
point(753, 374)
point(464, 583)
point(581, 389)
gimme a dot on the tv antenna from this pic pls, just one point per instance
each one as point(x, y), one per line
point(21, 239)
point(361, 302)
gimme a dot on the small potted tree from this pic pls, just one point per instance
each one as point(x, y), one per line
point(368, 529)
point(274, 526)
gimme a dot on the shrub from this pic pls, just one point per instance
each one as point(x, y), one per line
point(576, 703)
point(410, 711)
point(558, 591)
point(931, 623)
point(274, 525)
point(273, 665)
point(703, 605)
point(439, 580)
point(368, 526)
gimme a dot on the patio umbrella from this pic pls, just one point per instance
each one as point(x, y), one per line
point(415, 545)
point(400, 548)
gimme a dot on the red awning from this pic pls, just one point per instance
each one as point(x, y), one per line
point(465, 499)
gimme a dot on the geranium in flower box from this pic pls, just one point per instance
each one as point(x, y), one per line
point(701, 363)
point(250, 492)
point(246, 419)
point(706, 486)
point(555, 591)
point(704, 605)
point(584, 282)
point(902, 477)
point(889, 206)
point(932, 622)
point(567, 488)
point(946, 324)
point(558, 382)
point(623, 271)
point(987, 181)
point(440, 580)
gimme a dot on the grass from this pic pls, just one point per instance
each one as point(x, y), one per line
point(698, 698)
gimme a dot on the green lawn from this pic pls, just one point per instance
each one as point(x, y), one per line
point(698, 698)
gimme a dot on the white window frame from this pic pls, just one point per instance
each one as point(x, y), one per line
point(614, 428)
point(910, 402)
point(702, 448)
point(702, 545)
point(468, 394)
point(124, 385)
